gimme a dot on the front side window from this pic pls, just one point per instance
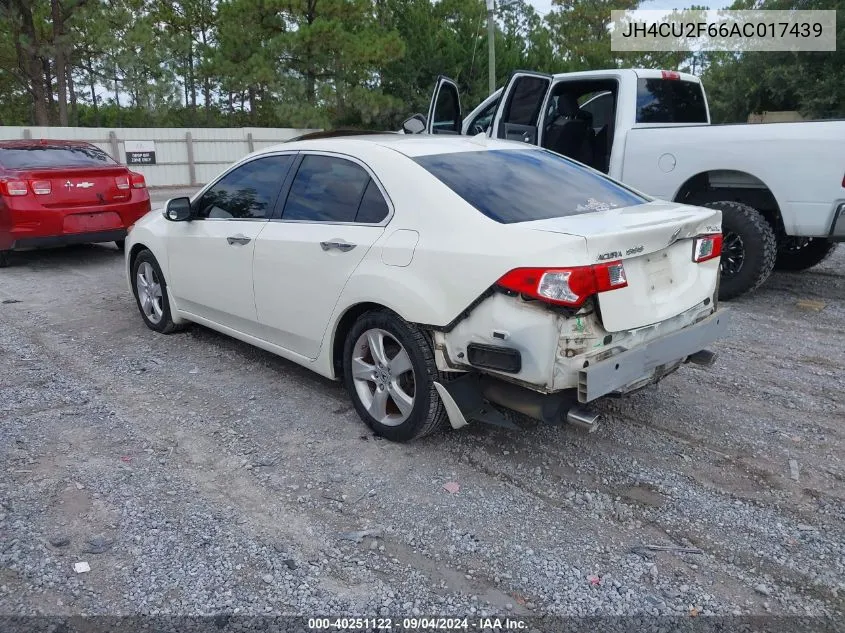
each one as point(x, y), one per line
point(247, 192)
point(446, 110)
point(518, 185)
point(484, 118)
point(332, 189)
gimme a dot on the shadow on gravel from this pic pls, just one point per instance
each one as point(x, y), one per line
point(47, 259)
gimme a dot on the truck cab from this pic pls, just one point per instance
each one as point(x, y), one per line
point(651, 130)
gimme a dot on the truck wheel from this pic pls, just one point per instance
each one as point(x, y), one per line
point(749, 248)
point(800, 253)
point(389, 371)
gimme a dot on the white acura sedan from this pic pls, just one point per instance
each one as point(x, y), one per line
point(441, 278)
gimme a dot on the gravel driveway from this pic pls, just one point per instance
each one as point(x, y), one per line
point(196, 474)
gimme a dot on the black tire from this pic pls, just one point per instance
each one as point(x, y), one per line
point(4, 259)
point(165, 325)
point(427, 413)
point(121, 244)
point(797, 253)
point(751, 240)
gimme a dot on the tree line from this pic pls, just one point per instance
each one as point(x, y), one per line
point(329, 63)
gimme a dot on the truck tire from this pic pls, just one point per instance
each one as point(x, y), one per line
point(800, 253)
point(749, 249)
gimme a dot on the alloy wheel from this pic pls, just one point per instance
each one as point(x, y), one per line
point(383, 376)
point(149, 291)
point(733, 254)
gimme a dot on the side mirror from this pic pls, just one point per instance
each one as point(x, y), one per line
point(178, 209)
point(415, 125)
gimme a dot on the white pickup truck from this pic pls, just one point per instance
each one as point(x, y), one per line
point(780, 186)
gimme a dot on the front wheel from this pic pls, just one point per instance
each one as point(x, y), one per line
point(389, 371)
point(749, 248)
point(150, 290)
point(800, 253)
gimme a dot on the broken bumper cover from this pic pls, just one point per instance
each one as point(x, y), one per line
point(633, 366)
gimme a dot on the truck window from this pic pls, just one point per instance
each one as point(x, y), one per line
point(670, 101)
point(600, 106)
point(526, 100)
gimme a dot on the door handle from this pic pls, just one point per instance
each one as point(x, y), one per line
point(238, 239)
point(337, 245)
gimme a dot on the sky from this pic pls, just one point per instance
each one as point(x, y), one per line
point(543, 6)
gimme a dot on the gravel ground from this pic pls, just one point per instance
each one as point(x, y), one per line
point(197, 475)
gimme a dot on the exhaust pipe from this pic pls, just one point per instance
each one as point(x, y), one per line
point(583, 418)
point(549, 408)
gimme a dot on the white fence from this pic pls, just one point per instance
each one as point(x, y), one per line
point(183, 156)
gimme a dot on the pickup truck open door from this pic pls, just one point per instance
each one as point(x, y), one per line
point(444, 110)
point(521, 108)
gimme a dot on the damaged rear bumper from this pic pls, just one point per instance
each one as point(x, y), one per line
point(630, 369)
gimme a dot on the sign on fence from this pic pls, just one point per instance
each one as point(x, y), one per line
point(140, 152)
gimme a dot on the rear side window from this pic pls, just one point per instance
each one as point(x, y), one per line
point(670, 101)
point(47, 156)
point(329, 189)
point(523, 185)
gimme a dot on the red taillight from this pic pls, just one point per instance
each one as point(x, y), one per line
point(138, 181)
point(41, 187)
point(670, 74)
point(13, 188)
point(565, 286)
point(122, 182)
point(706, 247)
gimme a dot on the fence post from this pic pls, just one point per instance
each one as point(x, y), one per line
point(115, 149)
point(192, 167)
point(250, 143)
point(27, 133)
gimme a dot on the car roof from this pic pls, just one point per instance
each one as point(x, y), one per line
point(410, 145)
point(44, 142)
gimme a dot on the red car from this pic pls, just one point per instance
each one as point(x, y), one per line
point(65, 192)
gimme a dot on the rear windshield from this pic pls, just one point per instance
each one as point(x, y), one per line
point(41, 156)
point(670, 101)
point(522, 185)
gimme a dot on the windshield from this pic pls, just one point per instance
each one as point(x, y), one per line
point(47, 156)
point(522, 185)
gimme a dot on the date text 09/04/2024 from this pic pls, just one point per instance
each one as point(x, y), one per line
point(417, 624)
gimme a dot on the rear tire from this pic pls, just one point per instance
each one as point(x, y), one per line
point(4, 259)
point(797, 253)
point(389, 372)
point(749, 249)
point(150, 290)
point(121, 244)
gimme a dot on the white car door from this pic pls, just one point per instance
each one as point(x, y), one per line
point(521, 106)
point(331, 214)
point(210, 257)
point(444, 109)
